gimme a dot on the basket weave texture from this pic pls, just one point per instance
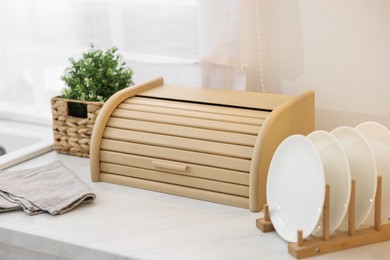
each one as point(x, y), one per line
point(72, 135)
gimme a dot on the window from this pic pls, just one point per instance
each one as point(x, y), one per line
point(188, 42)
point(155, 38)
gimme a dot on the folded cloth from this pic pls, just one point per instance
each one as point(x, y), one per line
point(50, 188)
point(6, 205)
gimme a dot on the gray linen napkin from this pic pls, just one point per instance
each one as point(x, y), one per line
point(50, 188)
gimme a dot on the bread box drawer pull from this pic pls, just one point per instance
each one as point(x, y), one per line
point(170, 166)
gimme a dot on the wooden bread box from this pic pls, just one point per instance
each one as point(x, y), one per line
point(202, 143)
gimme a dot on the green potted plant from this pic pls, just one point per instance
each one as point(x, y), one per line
point(89, 81)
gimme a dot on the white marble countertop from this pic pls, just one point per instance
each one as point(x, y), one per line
point(129, 223)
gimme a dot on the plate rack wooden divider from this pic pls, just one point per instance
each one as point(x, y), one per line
point(330, 243)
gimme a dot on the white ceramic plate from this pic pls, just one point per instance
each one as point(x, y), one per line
point(295, 187)
point(378, 137)
point(337, 175)
point(363, 171)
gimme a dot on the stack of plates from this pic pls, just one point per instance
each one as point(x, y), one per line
point(303, 165)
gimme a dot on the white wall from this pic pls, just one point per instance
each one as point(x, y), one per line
point(338, 48)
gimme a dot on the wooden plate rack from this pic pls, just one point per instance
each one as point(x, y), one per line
point(330, 243)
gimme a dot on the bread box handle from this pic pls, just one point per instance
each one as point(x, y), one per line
point(170, 166)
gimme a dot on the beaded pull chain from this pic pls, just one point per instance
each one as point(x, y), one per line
point(244, 41)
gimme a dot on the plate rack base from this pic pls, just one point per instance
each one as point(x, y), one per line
point(314, 246)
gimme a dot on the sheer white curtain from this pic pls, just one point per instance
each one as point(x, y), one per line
point(219, 44)
point(188, 42)
point(230, 44)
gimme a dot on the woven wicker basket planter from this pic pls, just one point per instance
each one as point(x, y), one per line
point(72, 134)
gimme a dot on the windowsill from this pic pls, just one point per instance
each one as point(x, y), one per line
point(37, 120)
